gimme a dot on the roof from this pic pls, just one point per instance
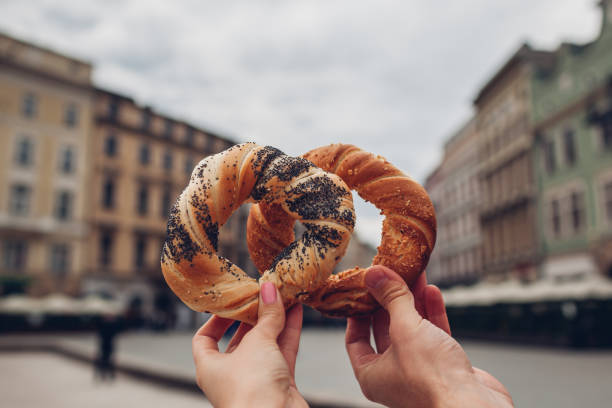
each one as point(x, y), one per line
point(166, 117)
point(6, 36)
point(525, 54)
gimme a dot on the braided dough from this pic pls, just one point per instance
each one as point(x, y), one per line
point(408, 237)
point(292, 186)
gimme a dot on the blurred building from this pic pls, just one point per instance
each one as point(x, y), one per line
point(454, 190)
point(573, 123)
point(141, 161)
point(434, 184)
point(542, 130)
point(505, 150)
point(46, 101)
point(87, 178)
point(358, 253)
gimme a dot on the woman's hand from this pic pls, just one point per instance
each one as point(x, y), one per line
point(417, 363)
point(258, 367)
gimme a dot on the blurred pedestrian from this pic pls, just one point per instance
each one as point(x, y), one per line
point(108, 328)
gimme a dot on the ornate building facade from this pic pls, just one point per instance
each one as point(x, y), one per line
point(46, 102)
point(505, 150)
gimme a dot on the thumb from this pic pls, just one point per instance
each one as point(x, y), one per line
point(390, 290)
point(271, 320)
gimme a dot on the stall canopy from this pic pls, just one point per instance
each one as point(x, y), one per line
point(57, 304)
point(512, 291)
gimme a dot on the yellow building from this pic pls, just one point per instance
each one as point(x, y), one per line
point(45, 122)
point(87, 178)
point(141, 161)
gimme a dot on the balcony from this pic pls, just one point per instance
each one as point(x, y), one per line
point(506, 201)
point(40, 226)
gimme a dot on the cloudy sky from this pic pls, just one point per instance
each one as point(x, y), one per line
point(393, 77)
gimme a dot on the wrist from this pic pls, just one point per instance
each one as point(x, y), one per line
point(468, 394)
point(256, 399)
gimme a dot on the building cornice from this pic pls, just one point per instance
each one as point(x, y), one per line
point(570, 109)
point(131, 101)
point(105, 121)
point(6, 63)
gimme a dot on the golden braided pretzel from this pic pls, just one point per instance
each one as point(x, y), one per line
point(408, 237)
point(218, 186)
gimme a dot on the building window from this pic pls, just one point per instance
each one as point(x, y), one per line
point(113, 109)
point(549, 156)
point(66, 160)
point(140, 246)
point(110, 145)
point(106, 248)
point(15, 255)
point(189, 136)
point(24, 152)
point(63, 206)
point(167, 160)
point(71, 115)
point(189, 164)
point(144, 154)
point(556, 218)
point(146, 120)
point(168, 129)
point(19, 200)
point(59, 260)
point(142, 200)
point(29, 105)
point(577, 211)
point(108, 193)
point(166, 201)
point(570, 147)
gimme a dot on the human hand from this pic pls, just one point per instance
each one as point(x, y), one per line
point(258, 367)
point(417, 363)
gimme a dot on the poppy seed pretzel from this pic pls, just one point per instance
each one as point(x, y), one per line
point(219, 184)
point(408, 235)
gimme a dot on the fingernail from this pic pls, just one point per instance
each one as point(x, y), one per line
point(374, 278)
point(268, 293)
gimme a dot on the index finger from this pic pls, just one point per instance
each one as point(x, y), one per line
point(289, 339)
point(207, 337)
point(357, 342)
point(418, 291)
point(420, 282)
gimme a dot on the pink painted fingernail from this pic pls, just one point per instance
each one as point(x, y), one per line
point(268, 293)
point(375, 277)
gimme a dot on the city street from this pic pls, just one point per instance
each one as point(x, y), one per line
point(31, 380)
point(536, 377)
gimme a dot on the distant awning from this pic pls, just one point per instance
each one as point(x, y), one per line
point(19, 304)
point(592, 287)
point(58, 304)
point(575, 265)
